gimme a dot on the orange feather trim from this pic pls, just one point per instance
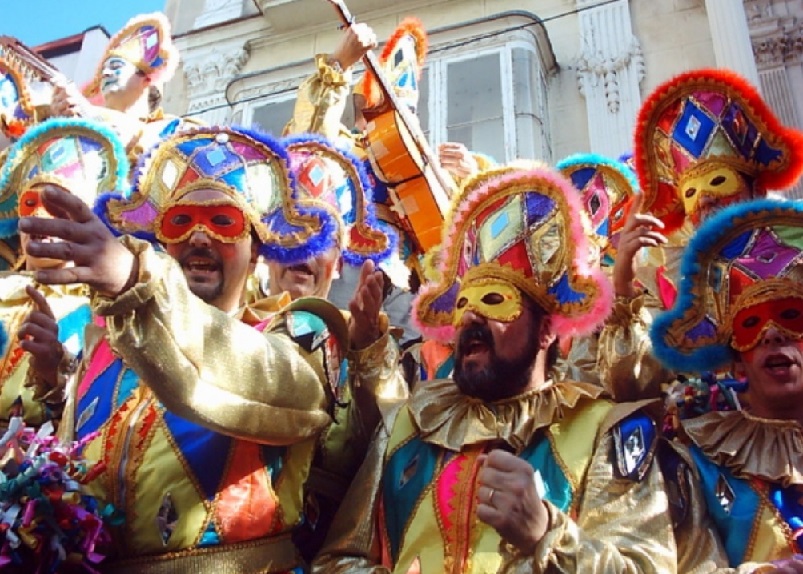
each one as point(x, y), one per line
point(734, 86)
point(409, 26)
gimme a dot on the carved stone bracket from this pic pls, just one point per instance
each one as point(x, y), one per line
point(212, 71)
point(595, 69)
point(782, 47)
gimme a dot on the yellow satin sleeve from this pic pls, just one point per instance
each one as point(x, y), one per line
point(321, 101)
point(621, 526)
point(211, 368)
point(352, 546)
point(627, 368)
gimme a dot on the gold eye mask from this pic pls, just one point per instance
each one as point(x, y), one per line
point(494, 300)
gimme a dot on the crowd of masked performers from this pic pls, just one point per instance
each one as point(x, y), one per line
point(225, 351)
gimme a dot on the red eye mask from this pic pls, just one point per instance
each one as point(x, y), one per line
point(30, 202)
point(750, 323)
point(223, 221)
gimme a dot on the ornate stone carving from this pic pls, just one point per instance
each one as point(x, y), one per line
point(212, 71)
point(782, 47)
point(595, 69)
point(610, 69)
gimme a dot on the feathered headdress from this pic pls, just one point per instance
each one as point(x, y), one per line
point(402, 60)
point(605, 187)
point(521, 226)
point(17, 112)
point(145, 42)
point(699, 122)
point(329, 205)
point(250, 167)
point(743, 255)
point(84, 157)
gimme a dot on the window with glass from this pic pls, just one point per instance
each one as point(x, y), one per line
point(491, 98)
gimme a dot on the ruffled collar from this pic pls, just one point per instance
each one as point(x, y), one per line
point(448, 418)
point(749, 446)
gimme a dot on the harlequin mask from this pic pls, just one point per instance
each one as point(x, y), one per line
point(494, 300)
point(221, 220)
point(712, 186)
point(776, 304)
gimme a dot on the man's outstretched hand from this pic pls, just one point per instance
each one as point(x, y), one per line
point(83, 240)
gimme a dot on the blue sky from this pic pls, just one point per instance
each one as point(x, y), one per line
point(39, 21)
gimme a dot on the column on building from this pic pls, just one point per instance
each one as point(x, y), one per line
point(609, 69)
point(731, 38)
point(776, 34)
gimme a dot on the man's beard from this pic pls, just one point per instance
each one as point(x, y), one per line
point(206, 292)
point(500, 378)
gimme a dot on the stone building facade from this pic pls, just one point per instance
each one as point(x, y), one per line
point(510, 78)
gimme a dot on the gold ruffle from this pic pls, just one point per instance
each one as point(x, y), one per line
point(749, 446)
point(452, 420)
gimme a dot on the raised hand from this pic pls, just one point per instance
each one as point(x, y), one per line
point(640, 230)
point(457, 160)
point(39, 335)
point(98, 258)
point(357, 40)
point(365, 306)
point(508, 500)
point(68, 101)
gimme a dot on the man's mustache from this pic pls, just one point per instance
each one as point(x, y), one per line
point(475, 334)
point(199, 252)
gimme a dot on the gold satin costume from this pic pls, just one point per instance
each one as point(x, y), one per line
point(609, 523)
point(207, 426)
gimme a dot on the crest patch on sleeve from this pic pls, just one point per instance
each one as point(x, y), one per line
point(306, 329)
point(635, 440)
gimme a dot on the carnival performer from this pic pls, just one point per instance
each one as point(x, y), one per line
point(704, 140)
point(449, 485)
point(740, 304)
point(320, 105)
point(125, 91)
point(303, 260)
point(206, 427)
point(85, 159)
point(605, 187)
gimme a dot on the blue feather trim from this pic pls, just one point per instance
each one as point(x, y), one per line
point(590, 159)
point(42, 130)
point(714, 230)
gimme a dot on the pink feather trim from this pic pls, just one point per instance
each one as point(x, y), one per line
point(466, 206)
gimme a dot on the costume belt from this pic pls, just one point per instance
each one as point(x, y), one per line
point(264, 556)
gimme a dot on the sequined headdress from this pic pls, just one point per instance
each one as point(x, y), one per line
point(329, 205)
point(402, 61)
point(17, 112)
point(521, 226)
point(251, 168)
point(605, 187)
point(145, 42)
point(743, 255)
point(84, 157)
point(702, 120)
